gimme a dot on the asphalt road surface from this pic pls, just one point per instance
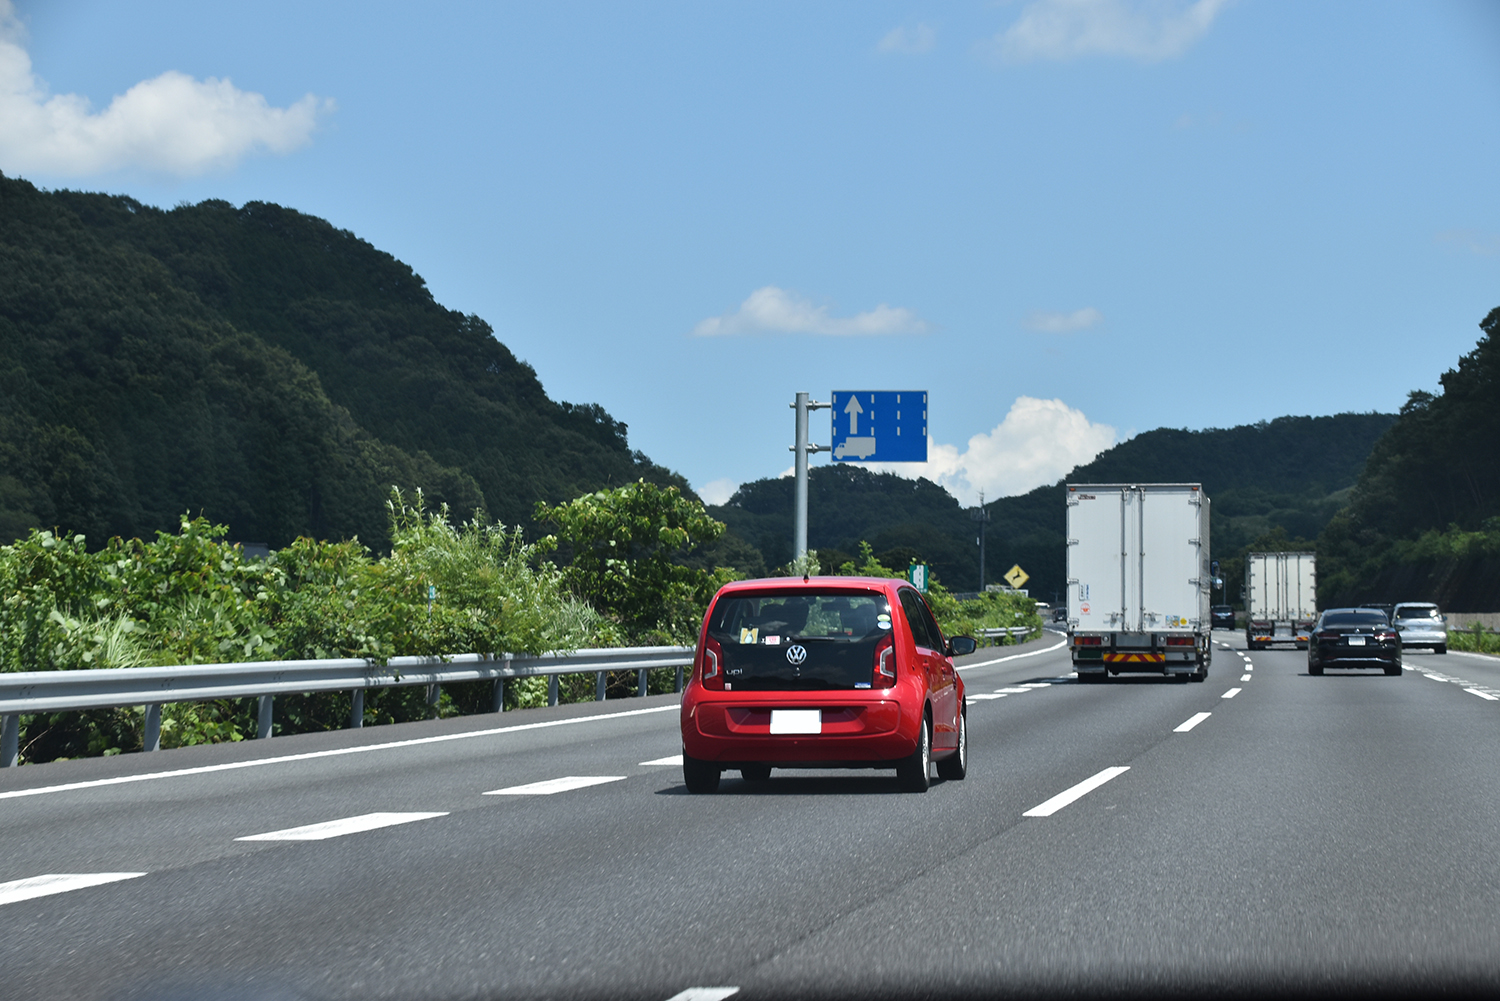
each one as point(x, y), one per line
point(1262, 831)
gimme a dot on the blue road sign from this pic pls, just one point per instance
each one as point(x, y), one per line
point(879, 427)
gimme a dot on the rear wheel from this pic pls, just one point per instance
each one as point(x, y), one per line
point(699, 776)
point(755, 773)
point(1440, 648)
point(1314, 668)
point(1393, 669)
point(913, 772)
point(954, 768)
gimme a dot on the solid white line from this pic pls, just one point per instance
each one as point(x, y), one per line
point(671, 759)
point(1482, 695)
point(1194, 721)
point(705, 994)
point(552, 786)
point(339, 828)
point(57, 882)
point(310, 755)
point(1230, 694)
point(1245, 677)
point(1470, 653)
point(1082, 789)
point(1015, 656)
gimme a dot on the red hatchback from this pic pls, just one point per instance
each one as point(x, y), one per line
point(827, 672)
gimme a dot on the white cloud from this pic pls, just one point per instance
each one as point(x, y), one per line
point(1472, 240)
point(717, 492)
point(774, 310)
point(911, 41)
point(171, 123)
point(1039, 442)
point(1146, 30)
point(1063, 323)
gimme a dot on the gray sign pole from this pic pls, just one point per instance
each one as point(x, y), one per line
point(802, 405)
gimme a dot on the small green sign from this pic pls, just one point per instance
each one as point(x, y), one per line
point(917, 574)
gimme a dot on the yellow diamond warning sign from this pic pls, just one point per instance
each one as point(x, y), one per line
point(1015, 576)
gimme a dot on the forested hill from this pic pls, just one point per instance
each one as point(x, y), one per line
point(1289, 475)
point(261, 367)
point(1424, 520)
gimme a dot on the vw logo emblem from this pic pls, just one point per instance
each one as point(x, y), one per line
point(796, 653)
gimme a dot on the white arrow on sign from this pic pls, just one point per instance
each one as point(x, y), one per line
point(853, 409)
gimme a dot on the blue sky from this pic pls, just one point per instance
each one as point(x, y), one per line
point(1067, 220)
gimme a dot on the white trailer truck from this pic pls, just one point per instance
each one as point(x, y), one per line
point(1281, 598)
point(1138, 580)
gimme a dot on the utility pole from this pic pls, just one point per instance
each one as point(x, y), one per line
point(982, 515)
point(802, 405)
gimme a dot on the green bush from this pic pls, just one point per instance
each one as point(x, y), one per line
point(1475, 639)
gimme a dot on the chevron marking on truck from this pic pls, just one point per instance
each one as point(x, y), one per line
point(1135, 658)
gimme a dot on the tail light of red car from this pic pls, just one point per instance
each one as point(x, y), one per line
point(885, 662)
point(713, 655)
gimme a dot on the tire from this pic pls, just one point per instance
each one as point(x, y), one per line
point(699, 776)
point(1089, 679)
point(1440, 648)
point(1198, 675)
point(956, 767)
point(1314, 669)
point(1394, 670)
point(755, 773)
point(913, 772)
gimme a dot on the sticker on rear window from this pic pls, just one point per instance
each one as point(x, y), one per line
point(773, 641)
point(749, 635)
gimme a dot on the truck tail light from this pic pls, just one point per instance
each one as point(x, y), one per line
point(1179, 641)
point(885, 662)
point(713, 654)
point(1088, 640)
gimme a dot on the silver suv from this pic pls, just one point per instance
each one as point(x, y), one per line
point(1421, 624)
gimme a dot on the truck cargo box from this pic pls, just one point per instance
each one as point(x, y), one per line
point(1138, 578)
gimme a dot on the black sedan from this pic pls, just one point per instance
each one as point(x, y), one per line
point(1354, 637)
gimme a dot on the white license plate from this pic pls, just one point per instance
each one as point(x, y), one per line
point(1353, 641)
point(796, 721)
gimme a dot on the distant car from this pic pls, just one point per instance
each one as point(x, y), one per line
point(1387, 609)
point(1421, 625)
point(827, 672)
point(1354, 637)
point(1221, 616)
point(1060, 614)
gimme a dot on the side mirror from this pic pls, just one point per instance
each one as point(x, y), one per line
point(962, 646)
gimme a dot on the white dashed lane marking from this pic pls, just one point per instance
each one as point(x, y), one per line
point(986, 696)
point(1483, 695)
point(1230, 694)
point(552, 786)
point(339, 828)
point(1191, 722)
point(1082, 789)
point(1245, 677)
point(671, 759)
point(705, 994)
point(57, 882)
point(1012, 691)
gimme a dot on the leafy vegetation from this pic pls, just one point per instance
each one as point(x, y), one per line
point(627, 547)
point(190, 597)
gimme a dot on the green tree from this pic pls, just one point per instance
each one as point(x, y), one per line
point(627, 547)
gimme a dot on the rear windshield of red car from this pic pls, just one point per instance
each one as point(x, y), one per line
point(799, 640)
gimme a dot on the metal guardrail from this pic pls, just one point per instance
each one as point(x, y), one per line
point(57, 691)
point(994, 634)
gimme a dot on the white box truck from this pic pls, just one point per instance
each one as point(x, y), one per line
point(1138, 580)
point(1281, 598)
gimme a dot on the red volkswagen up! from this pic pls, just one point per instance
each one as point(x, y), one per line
point(826, 672)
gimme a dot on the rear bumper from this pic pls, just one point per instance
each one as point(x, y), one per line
point(854, 734)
